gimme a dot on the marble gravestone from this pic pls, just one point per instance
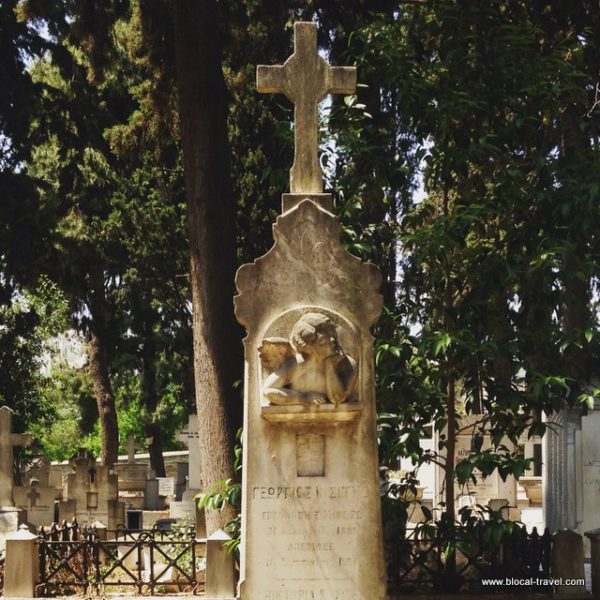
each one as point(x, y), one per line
point(311, 522)
point(186, 507)
point(91, 493)
point(38, 501)
point(132, 476)
point(10, 515)
point(189, 437)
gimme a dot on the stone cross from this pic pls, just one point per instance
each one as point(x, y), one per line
point(7, 441)
point(33, 495)
point(305, 78)
point(131, 448)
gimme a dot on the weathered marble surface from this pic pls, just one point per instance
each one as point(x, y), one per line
point(38, 501)
point(311, 523)
point(306, 79)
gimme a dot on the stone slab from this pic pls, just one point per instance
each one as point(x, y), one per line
point(38, 501)
point(311, 522)
point(166, 486)
point(131, 476)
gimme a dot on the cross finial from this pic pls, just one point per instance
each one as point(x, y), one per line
point(131, 447)
point(33, 494)
point(305, 78)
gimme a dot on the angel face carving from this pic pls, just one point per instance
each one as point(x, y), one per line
point(311, 368)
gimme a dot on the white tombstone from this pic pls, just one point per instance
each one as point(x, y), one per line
point(38, 501)
point(484, 489)
point(311, 516)
point(132, 476)
point(189, 436)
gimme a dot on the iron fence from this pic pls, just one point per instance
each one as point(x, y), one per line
point(82, 559)
point(421, 565)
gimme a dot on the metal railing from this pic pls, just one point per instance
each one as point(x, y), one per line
point(75, 559)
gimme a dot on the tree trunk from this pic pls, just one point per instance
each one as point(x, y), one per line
point(98, 354)
point(149, 393)
point(210, 214)
point(449, 467)
point(155, 449)
point(98, 364)
point(450, 463)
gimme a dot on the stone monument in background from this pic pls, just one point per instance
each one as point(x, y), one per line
point(132, 475)
point(311, 522)
point(10, 515)
point(91, 493)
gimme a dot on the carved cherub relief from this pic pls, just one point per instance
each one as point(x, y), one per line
point(311, 368)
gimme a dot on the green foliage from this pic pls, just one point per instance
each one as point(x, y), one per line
point(73, 420)
point(496, 256)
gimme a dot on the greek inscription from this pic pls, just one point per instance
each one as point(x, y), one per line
point(308, 492)
point(310, 546)
point(305, 492)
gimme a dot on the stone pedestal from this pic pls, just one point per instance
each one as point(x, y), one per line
point(220, 580)
point(567, 561)
point(311, 522)
point(21, 567)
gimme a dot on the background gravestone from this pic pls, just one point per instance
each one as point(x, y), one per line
point(38, 501)
point(92, 493)
point(132, 475)
point(311, 522)
point(186, 508)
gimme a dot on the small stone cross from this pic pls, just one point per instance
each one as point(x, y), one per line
point(305, 78)
point(131, 448)
point(33, 495)
point(7, 441)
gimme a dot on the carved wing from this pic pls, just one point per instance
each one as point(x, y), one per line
point(274, 352)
